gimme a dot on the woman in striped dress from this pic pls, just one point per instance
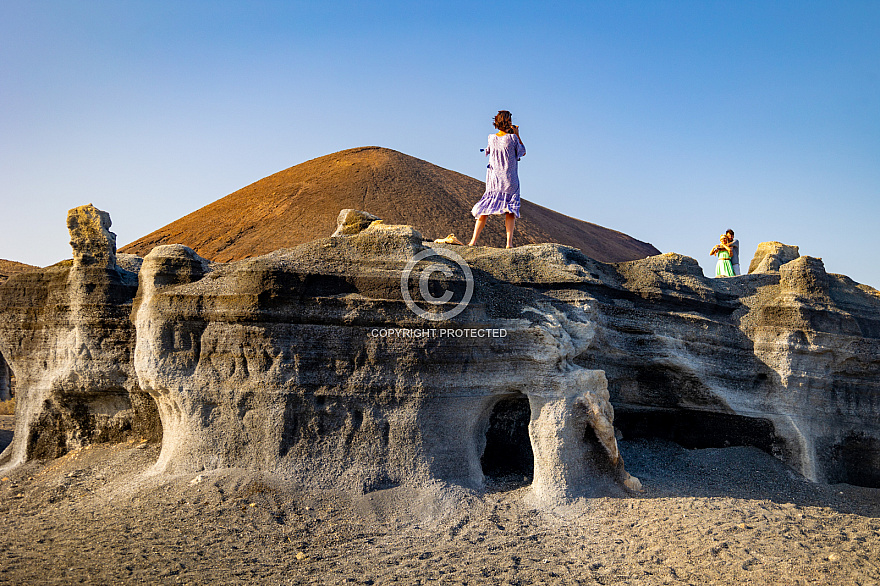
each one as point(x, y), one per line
point(502, 180)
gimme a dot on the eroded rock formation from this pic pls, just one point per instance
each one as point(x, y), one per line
point(311, 362)
point(286, 362)
point(786, 361)
point(772, 255)
point(67, 335)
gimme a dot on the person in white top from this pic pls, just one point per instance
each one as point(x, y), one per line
point(734, 252)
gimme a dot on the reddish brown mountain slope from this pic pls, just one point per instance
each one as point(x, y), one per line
point(301, 203)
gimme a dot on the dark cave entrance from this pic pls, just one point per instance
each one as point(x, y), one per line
point(7, 380)
point(697, 429)
point(7, 405)
point(507, 460)
point(854, 460)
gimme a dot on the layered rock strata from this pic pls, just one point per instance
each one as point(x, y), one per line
point(11, 267)
point(309, 363)
point(324, 362)
point(787, 361)
point(67, 335)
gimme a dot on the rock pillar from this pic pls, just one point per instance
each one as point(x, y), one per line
point(90, 237)
point(67, 332)
point(572, 438)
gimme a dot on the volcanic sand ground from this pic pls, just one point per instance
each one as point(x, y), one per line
point(715, 516)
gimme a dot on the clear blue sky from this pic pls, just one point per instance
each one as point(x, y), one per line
point(668, 120)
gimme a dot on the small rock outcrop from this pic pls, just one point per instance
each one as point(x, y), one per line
point(770, 256)
point(352, 221)
point(372, 359)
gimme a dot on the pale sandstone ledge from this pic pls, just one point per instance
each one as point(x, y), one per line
point(269, 363)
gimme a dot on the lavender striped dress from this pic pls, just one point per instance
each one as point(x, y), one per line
point(502, 180)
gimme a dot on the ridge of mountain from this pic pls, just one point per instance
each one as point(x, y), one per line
point(301, 203)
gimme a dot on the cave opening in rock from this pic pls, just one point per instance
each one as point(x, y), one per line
point(7, 405)
point(853, 460)
point(508, 461)
point(697, 429)
point(7, 380)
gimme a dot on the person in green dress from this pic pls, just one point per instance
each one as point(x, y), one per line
point(723, 268)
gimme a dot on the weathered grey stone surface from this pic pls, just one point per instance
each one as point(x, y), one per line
point(285, 363)
point(787, 361)
point(771, 255)
point(129, 262)
point(819, 334)
point(67, 335)
point(299, 361)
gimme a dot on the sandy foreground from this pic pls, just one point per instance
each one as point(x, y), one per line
point(716, 516)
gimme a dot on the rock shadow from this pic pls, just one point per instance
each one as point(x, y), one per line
point(669, 470)
point(5, 434)
point(508, 461)
point(7, 380)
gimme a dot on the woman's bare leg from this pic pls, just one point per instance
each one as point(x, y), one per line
point(478, 227)
point(510, 224)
